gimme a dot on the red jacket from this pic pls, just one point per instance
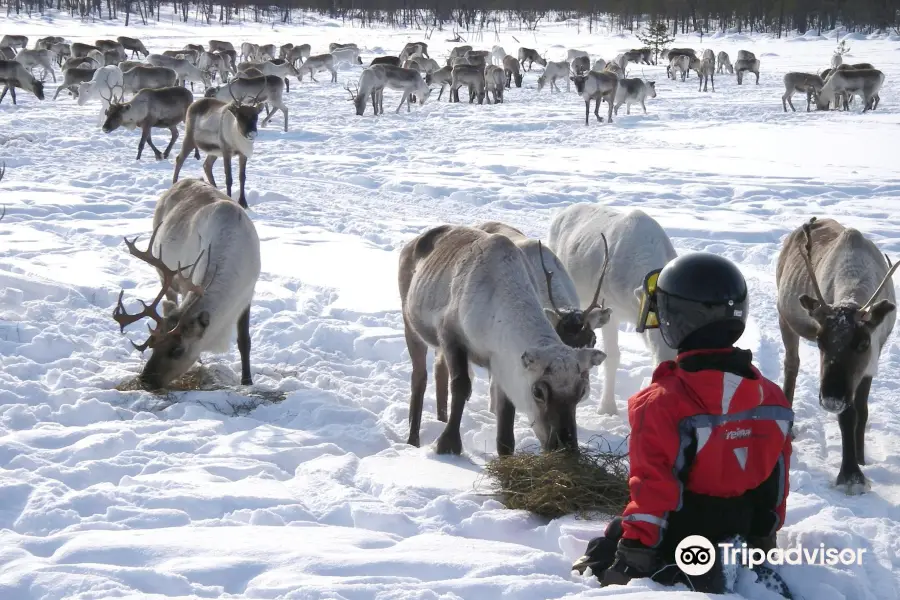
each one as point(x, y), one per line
point(737, 430)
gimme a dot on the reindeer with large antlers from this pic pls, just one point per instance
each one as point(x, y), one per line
point(637, 245)
point(196, 225)
point(574, 326)
point(850, 317)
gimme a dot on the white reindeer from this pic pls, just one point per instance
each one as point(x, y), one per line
point(107, 78)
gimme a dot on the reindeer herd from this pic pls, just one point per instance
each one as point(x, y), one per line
point(485, 295)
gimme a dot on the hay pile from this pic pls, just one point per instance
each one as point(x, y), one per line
point(557, 484)
point(204, 379)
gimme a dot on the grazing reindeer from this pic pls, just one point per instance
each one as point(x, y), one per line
point(282, 69)
point(105, 78)
point(62, 51)
point(413, 48)
point(347, 55)
point(725, 63)
point(192, 56)
point(13, 74)
point(267, 88)
point(215, 64)
point(394, 61)
point(637, 245)
point(14, 41)
point(707, 73)
point(285, 50)
point(471, 76)
point(709, 54)
point(408, 81)
point(511, 68)
point(80, 50)
point(675, 52)
point(633, 91)
point(146, 77)
point(552, 72)
point(314, 64)
point(679, 64)
point(267, 52)
point(163, 108)
point(220, 46)
point(865, 83)
point(224, 129)
point(497, 55)
point(471, 296)
point(337, 46)
point(442, 77)
point(37, 58)
point(532, 57)
point(185, 69)
point(299, 53)
point(746, 66)
point(581, 65)
point(371, 84)
point(457, 52)
point(850, 318)
point(72, 79)
point(195, 222)
point(494, 83)
point(597, 86)
point(640, 56)
point(745, 55)
point(249, 51)
point(112, 46)
point(804, 83)
point(135, 45)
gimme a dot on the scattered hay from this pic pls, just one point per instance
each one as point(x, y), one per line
point(203, 379)
point(557, 484)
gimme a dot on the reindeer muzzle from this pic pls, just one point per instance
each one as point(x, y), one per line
point(833, 405)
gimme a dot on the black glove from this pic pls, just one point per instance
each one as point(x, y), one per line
point(601, 551)
point(633, 561)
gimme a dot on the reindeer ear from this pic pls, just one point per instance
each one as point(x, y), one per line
point(552, 316)
point(599, 318)
point(533, 361)
point(878, 312)
point(809, 303)
point(203, 319)
point(590, 357)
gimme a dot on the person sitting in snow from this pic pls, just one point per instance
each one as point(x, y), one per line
point(710, 444)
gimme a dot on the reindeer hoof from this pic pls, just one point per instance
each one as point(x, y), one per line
point(246, 381)
point(853, 483)
point(413, 440)
point(449, 443)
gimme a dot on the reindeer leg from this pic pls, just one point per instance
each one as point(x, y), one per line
point(186, 147)
point(226, 165)
point(174, 130)
point(587, 111)
point(243, 342)
point(450, 441)
point(242, 179)
point(145, 133)
point(506, 420)
point(850, 477)
point(610, 366)
point(441, 385)
point(207, 168)
point(156, 151)
point(418, 352)
point(58, 90)
point(861, 402)
point(402, 100)
point(643, 106)
point(6, 89)
point(791, 343)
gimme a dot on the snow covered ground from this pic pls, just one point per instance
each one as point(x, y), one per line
point(108, 494)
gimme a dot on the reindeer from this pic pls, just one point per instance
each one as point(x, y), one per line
point(135, 45)
point(745, 55)
point(314, 64)
point(164, 108)
point(337, 46)
point(348, 55)
point(552, 72)
point(597, 86)
point(191, 55)
point(7, 53)
point(724, 63)
point(621, 61)
point(268, 88)
point(746, 66)
point(457, 52)
point(442, 77)
point(412, 48)
point(103, 59)
point(707, 73)
point(836, 60)
point(477, 57)
point(676, 52)
point(581, 65)
point(494, 83)
point(531, 56)
point(221, 129)
point(285, 50)
point(471, 76)
point(865, 83)
point(267, 52)
point(281, 69)
point(386, 60)
point(61, 51)
point(599, 65)
point(639, 56)
point(633, 91)
point(220, 46)
point(615, 69)
point(37, 58)
point(371, 84)
point(196, 222)
point(679, 64)
point(46, 43)
point(72, 78)
point(146, 77)
point(511, 68)
point(80, 50)
point(13, 74)
point(112, 46)
point(846, 67)
point(186, 70)
point(497, 56)
point(408, 81)
point(105, 78)
point(470, 295)
point(14, 41)
point(804, 83)
point(250, 51)
point(850, 318)
point(214, 64)
point(80, 63)
point(637, 246)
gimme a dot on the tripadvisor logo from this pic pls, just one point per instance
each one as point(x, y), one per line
point(695, 555)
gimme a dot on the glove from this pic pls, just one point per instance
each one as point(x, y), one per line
point(633, 561)
point(600, 554)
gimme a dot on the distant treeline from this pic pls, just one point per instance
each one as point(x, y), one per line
point(484, 16)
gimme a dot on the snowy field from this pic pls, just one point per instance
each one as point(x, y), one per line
point(215, 494)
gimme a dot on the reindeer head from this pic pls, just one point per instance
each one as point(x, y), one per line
point(518, 79)
point(175, 339)
point(541, 81)
point(651, 88)
point(560, 380)
point(844, 337)
point(246, 116)
point(576, 327)
point(116, 112)
point(580, 81)
point(37, 88)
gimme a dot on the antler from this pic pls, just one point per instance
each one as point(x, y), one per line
point(549, 276)
point(2, 171)
point(170, 278)
point(807, 260)
point(881, 285)
point(353, 93)
point(594, 304)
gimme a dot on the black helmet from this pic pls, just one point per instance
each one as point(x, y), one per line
point(697, 300)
